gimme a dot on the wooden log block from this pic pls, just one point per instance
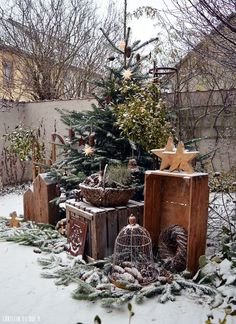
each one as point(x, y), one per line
point(152, 206)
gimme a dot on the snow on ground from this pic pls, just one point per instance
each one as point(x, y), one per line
point(11, 202)
point(25, 294)
point(25, 297)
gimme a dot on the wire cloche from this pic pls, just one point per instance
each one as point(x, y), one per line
point(133, 258)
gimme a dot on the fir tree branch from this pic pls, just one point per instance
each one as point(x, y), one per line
point(145, 43)
point(136, 64)
point(110, 42)
point(136, 43)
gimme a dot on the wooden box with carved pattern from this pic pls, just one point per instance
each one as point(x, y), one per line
point(102, 225)
point(178, 198)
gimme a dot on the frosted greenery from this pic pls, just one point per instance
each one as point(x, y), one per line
point(142, 117)
point(23, 141)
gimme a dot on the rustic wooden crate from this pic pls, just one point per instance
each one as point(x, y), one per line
point(178, 198)
point(103, 224)
point(37, 206)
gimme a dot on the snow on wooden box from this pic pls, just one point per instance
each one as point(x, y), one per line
point(182, 199)
point(103, 224)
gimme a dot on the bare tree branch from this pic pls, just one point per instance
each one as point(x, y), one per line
point(56, 42)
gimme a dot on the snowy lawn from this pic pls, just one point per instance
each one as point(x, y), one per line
point(27, 297)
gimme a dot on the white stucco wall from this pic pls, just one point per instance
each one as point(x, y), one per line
point(43, 113)
point(34, 114)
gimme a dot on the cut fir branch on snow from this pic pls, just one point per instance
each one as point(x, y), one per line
point(93, 284)
point(41, 236)
point(92, 280)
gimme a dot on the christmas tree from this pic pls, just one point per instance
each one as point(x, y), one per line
point(99, 136)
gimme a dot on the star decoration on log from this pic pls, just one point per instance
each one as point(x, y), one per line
point(175, 158)
point(166, 160)
point(182, 158)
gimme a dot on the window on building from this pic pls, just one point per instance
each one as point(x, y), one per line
point(28, 75)
point(7, 72)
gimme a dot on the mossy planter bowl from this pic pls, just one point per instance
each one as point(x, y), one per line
point(106, 197)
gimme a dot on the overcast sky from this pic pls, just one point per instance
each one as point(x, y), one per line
point(142, 28)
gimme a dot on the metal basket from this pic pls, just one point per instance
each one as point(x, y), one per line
point(106, 197)
point(133, 258)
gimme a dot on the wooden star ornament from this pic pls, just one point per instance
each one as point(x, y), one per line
point(14, 221)
point(166, 159)
point(181, 158)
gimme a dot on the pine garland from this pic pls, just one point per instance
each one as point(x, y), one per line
point(152, 291)
point(41, 236)
point(92, 280)
point(111, 296)
point(50, 263)
point(196, 287)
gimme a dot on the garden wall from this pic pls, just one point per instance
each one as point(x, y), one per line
point(45, 114)
point(34, 114)
point(209, 115)
point(10, 115)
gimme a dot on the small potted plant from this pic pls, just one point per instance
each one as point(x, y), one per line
point(112, 187)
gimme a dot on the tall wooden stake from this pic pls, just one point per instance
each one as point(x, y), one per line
point(125, 30)
point(125, 18)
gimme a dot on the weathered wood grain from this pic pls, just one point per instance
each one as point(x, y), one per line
point(178, 198)
point(37, 206)
point(103, 224)
point(28, 205)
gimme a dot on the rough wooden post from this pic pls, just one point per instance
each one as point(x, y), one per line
point(55, 136)
point(37, 206)
point(28, 205)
